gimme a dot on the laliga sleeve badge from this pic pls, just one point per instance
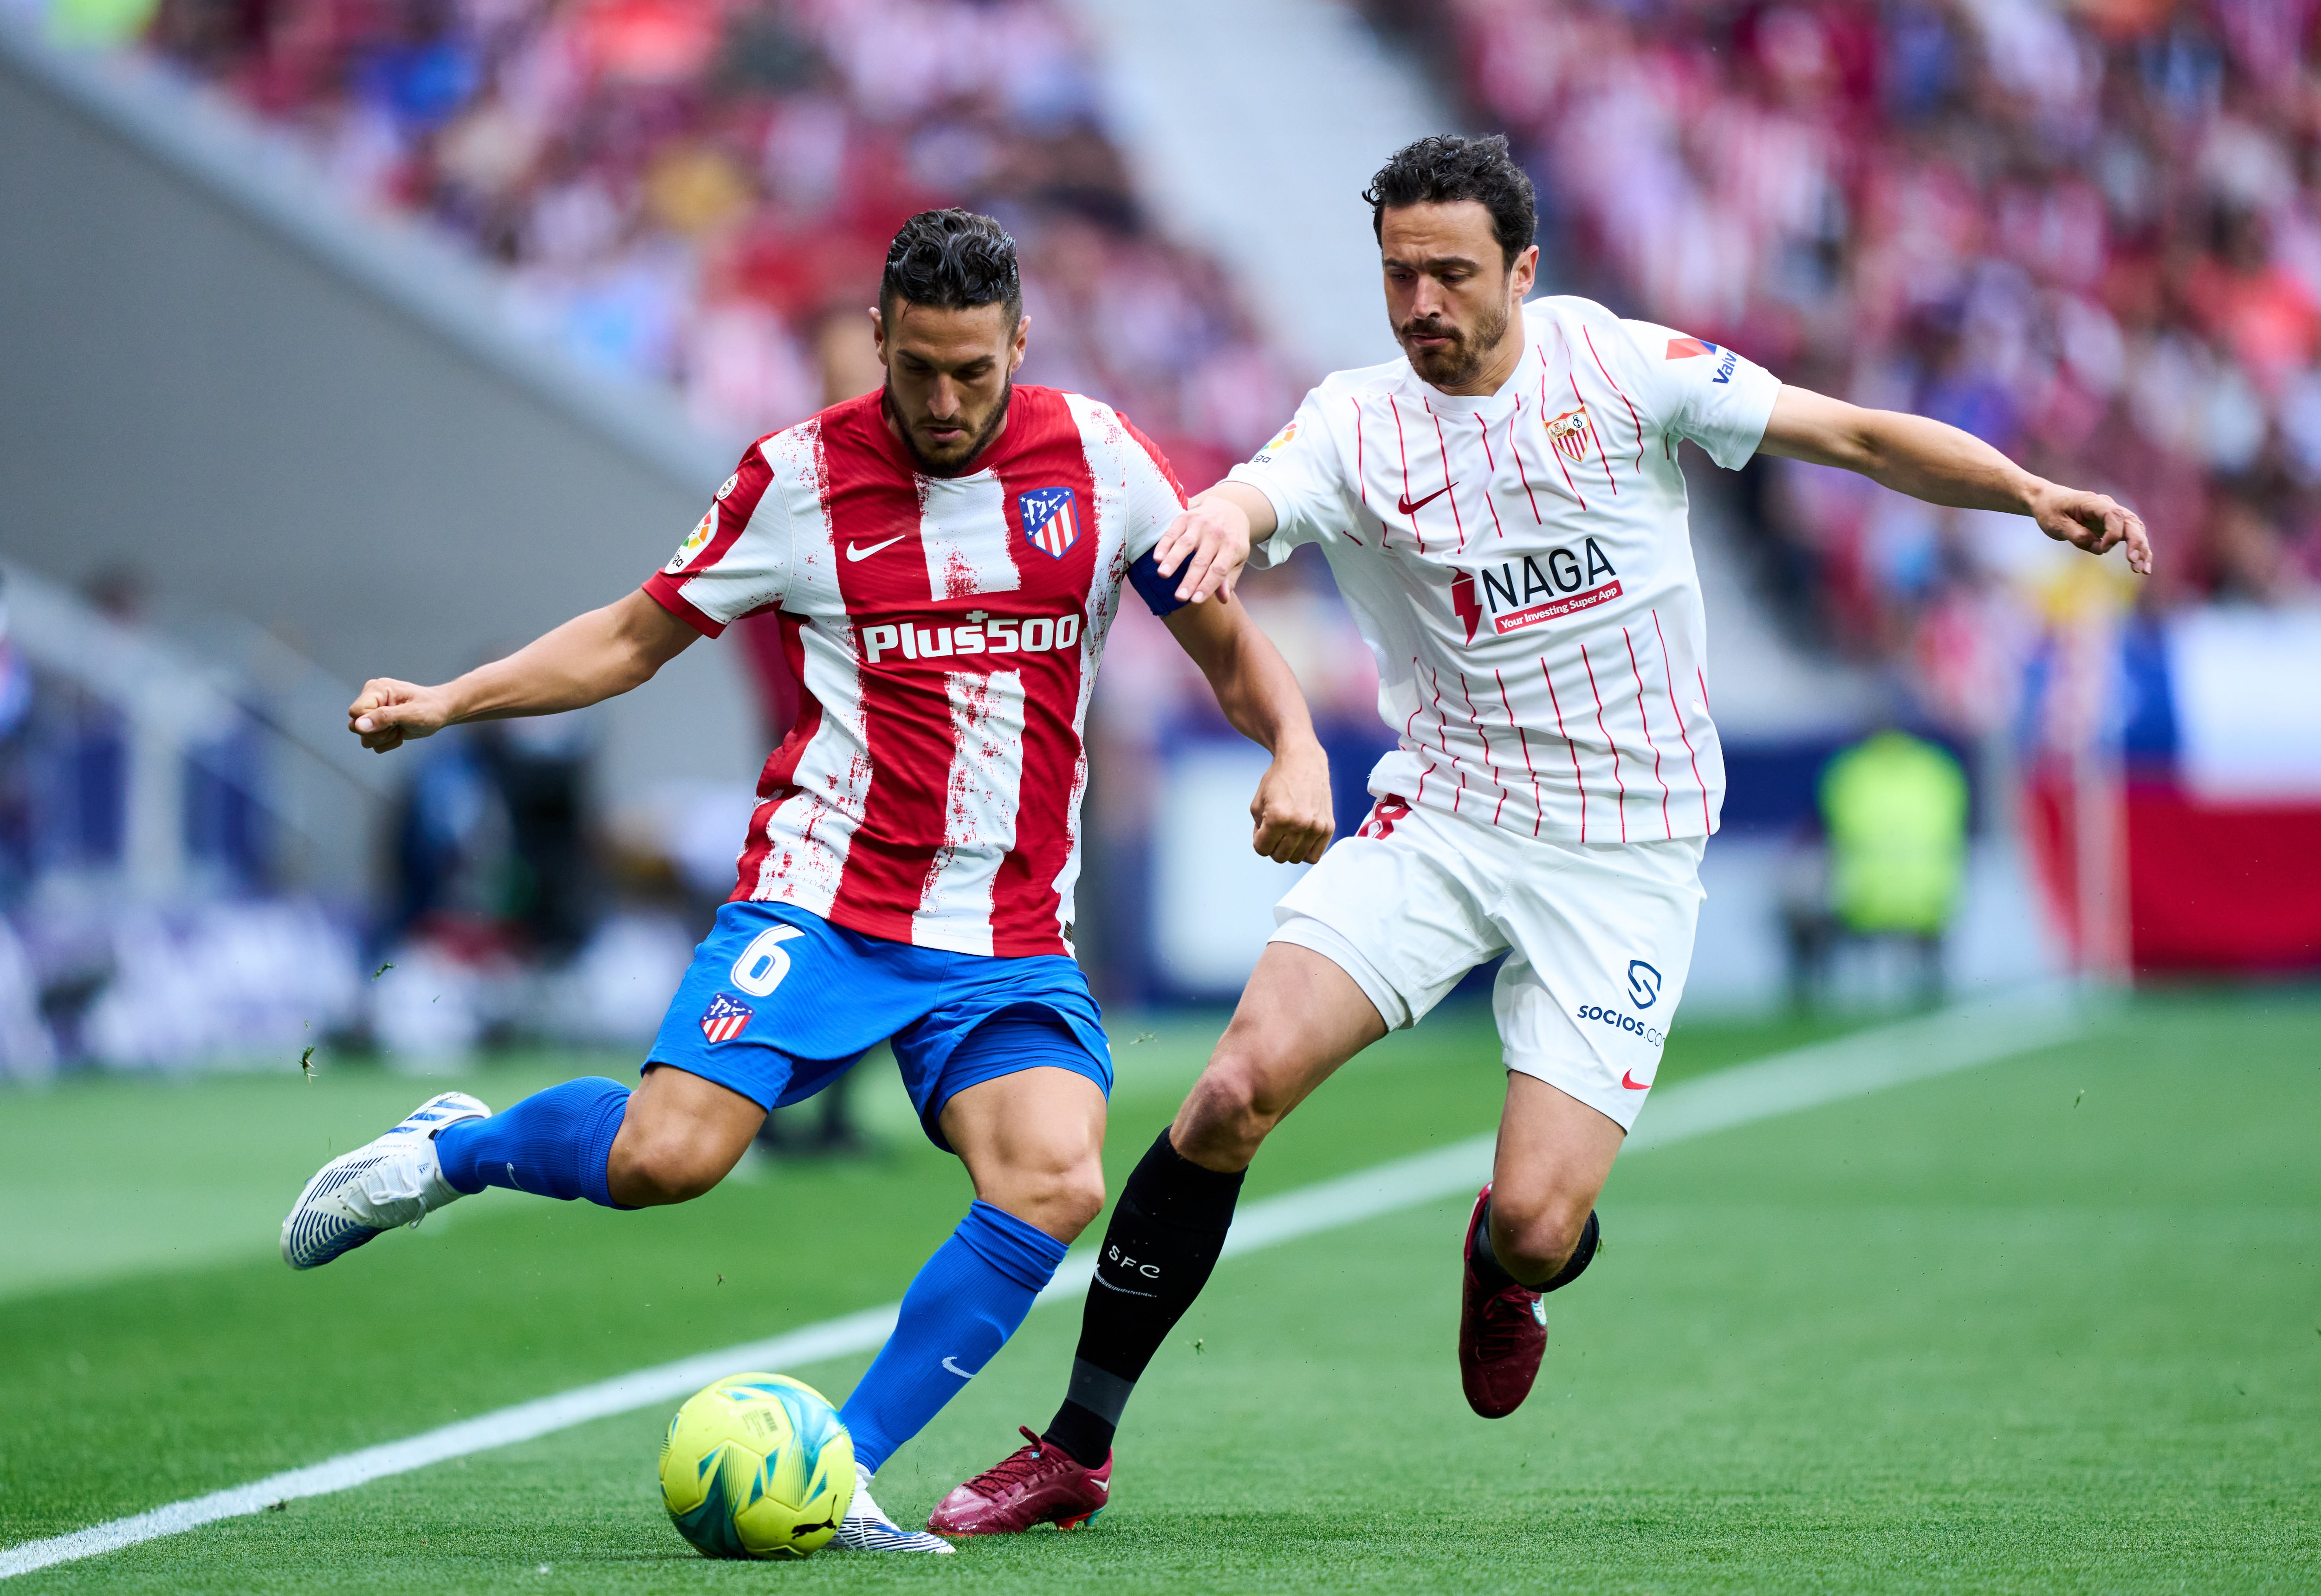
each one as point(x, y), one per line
point(694, 543)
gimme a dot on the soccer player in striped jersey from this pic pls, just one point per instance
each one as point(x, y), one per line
point(945, 557)
point(1504, 512)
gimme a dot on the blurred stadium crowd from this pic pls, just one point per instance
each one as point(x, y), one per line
point(2090, 234)
point(697, 191)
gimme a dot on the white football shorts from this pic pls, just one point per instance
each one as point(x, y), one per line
point(1598, 939)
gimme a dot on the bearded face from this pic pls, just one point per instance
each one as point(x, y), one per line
point(1452, 293)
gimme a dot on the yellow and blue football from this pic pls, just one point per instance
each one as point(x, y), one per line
point(757, 1466)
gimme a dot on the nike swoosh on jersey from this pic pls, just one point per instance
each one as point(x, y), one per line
point(953, 1368)
point(856, 551)
point(1413, 506)
point(1633, 1085)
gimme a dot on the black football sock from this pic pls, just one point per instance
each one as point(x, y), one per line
point(1495, 1278)
point(1485, 1263)
point(1166, 1235)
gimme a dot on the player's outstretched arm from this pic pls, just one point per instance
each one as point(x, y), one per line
point(1259, 697)
point(1942, 465)
point(588, 659)
point(1211, 539)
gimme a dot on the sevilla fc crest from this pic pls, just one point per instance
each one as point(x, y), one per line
point(723, 1019)
point(1569, 432)
point(1051, 519)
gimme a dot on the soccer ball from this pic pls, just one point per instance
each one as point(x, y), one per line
point(757, 1466)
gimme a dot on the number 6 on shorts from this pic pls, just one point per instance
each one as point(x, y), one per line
point(763, 963)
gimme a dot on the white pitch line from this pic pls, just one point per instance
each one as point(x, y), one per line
point(1956, 1039)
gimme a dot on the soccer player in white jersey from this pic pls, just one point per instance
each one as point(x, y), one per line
point(1504, 512)
point(946, 556)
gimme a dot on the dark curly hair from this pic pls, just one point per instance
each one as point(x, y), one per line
point(952, 261)
point(1443, 168)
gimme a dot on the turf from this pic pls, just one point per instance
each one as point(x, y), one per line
point(2053, 1324)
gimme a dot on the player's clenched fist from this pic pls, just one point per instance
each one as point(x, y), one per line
point(1211, 540)
point(1292, 807)
point(387, 713)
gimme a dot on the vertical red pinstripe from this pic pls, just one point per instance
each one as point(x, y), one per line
point(1403, 449)
point(1568, 746)
point(1647, 721)
point(1538, 804)
point(1361, 483)
point(1667, 672)
point(1483, 429)
point(1589, 422)
point(1492, 765)
point(1516, 453)
point(1449, 491)
point(1616, 388)
point(1618, 781)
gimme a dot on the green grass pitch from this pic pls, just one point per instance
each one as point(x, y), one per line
point(2053, 1324)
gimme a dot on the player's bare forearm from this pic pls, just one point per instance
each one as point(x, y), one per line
point(1936, 462)
point(1260, 699)
point(589, 658)
point(1211, 539)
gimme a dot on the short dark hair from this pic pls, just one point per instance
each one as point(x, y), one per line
point(952, 261)
point(1443, 168)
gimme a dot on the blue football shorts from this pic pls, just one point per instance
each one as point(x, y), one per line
point(778, 1003)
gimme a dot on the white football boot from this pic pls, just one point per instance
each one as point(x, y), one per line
point(866, 1529)
point(360, 1195)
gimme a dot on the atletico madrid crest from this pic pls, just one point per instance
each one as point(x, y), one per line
point(1052, 521)
point(723, 1019)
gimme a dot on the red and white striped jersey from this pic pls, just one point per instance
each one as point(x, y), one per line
point(1520, 564)
point(944, 632)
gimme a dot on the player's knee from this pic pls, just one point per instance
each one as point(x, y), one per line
point(1532, 1234)
point(1060, 1195)
point(651, 1171)
point(1229, 1110)
point(1075, 1197)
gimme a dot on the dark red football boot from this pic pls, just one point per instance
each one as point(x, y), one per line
point(1502, 1334)
point(1038, 1484)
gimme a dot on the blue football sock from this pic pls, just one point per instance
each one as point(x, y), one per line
point(553, 1144)
point(962, 1307)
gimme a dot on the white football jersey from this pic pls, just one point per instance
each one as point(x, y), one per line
point(1521, 566)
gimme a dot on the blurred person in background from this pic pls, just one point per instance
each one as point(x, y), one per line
point(1894, 812)
point(1504, 512)
point(946, 554)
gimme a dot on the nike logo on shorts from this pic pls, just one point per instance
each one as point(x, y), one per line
point(1633, 1085)
point(856, 551)
point(952, 1368)
point(1407, 506)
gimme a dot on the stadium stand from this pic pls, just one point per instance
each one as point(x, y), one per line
point(689, 192)
point(2091, 235)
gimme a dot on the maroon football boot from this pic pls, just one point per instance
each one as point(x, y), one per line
point(1038, 1484)
point(1502, 1334)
